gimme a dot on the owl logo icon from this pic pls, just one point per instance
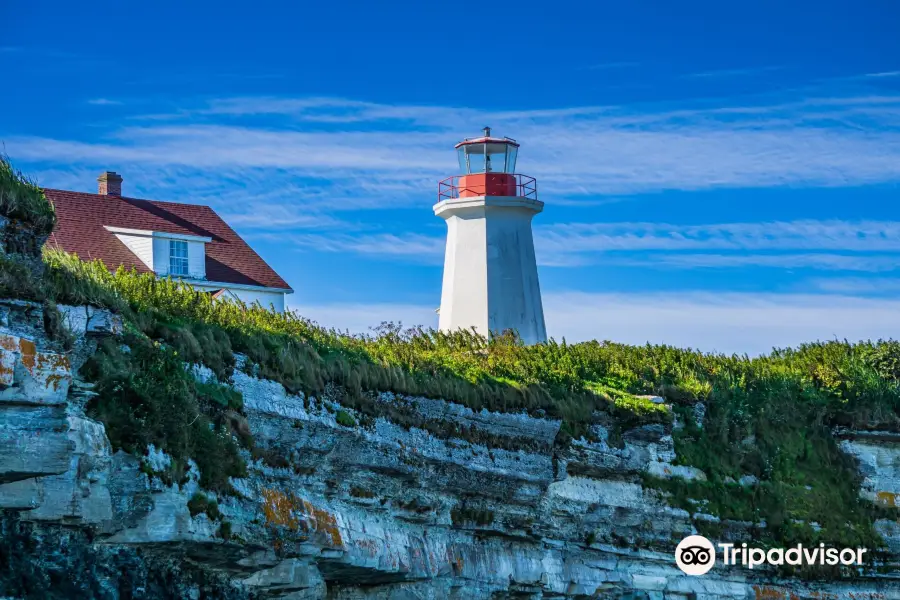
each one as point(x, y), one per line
point(695, 555)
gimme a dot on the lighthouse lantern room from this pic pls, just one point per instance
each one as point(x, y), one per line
point(490, 273)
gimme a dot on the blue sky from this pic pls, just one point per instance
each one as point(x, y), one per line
point(717, 175)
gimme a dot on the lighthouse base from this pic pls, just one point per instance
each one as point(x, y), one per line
point(490, 272)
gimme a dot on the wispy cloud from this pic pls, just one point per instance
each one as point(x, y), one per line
point(388, 151)
point(869, 236)
point(610, 66)
point(833, 245)
point(414, 247)
point(828, 262)
point(724, 322)
point(745, 72)
point(884, 74)
point(856, 285)
point(729, 322)
point(104, 102)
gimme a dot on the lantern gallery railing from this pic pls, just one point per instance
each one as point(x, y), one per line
point(487, 184)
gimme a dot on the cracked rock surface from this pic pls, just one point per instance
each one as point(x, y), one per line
point(363, 512)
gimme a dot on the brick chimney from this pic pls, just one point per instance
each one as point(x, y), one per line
point(109, 184)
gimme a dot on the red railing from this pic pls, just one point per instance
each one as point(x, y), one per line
point(449, 189)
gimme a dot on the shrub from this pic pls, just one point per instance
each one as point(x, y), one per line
point(344, 418)
point(198, 504)
point(22, 200)
point(358, 492)
point(146, 396)
point(463, 516)
point(17, 281)
point(785, 403)
point(212, 510)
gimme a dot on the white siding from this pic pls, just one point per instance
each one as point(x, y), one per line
point(490, 273)
point(266, 299)
point(197, 260)
point(141, 246)
point(161, 256)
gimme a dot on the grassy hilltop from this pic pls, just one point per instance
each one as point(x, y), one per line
point(772, 416)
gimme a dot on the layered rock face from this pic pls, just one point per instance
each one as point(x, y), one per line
point(345, 508)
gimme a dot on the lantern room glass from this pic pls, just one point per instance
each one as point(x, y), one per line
point(489, 157)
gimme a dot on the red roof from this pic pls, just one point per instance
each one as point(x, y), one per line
point(81, 219)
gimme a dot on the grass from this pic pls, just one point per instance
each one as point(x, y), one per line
point(18, 281)
point(147, 396)
point(21, 200)
point(770, 416)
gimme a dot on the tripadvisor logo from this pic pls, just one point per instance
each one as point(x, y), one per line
point(696, 555)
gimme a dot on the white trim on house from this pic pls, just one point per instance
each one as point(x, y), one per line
point(234, 286)
point(248, 294)
point(153, 248)
point(161, 234)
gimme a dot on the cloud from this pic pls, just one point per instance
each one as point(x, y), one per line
point(413, 247)
point(730, 322)
point(829, 262)
point(746, 72)
point(856, 285)
point(609, 66)
point(865, 246)
point(778, 244)
point(869, 236)
point(104, 102)
point(359, 318)
point(398, 152)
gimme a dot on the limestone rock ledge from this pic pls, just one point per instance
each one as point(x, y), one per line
point(351, 513)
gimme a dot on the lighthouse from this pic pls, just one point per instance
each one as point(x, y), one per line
point(490, 273)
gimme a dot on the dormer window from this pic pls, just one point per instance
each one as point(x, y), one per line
point(166, 253)
point(178, 258)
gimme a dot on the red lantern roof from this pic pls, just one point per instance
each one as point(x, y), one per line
point(487, 139)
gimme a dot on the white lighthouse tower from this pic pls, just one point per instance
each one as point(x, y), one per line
point(490, 273)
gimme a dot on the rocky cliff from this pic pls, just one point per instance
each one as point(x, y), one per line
point(562, 484)
point(337, 505)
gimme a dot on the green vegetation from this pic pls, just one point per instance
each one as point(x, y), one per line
point(17, 281)
point(21, 200)
point(359, 492)
point(771, 416)
point(199, 503)
point(463, 516)
point(344, 418)
point(146, 396)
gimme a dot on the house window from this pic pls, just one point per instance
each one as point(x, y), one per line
point(178, 258)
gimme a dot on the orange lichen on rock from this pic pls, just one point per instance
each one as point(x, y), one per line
point(280, 509)
point(7, 367)
point(765, 592)
point(287, 510)
point(52, 367)
point(9, 342)
point(323, 522)
point(886, 499)
point(27, 354)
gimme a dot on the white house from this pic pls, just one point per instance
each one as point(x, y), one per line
point(189, 242)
